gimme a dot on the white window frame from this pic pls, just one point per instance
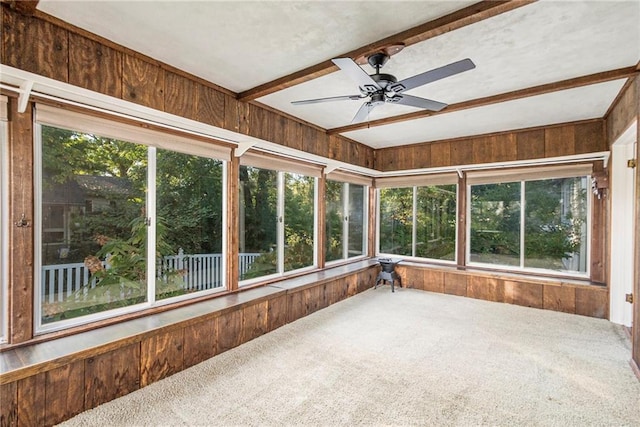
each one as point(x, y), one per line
point(280, 227)
point(414, 231)
point(542, 175)
point(186, 146)
point(346, 221)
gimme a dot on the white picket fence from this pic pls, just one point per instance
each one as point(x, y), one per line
point(198, 272)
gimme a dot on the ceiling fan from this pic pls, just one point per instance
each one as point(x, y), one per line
point(381, 88)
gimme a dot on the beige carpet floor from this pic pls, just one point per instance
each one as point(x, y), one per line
point(408, 358)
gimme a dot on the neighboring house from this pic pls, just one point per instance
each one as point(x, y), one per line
point(61, 203)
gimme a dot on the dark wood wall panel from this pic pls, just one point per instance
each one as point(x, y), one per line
point(554, 141)
point(31, 400)
point(277, 312)
point(229, 331)
point(34, 45)
point(523, 293)
point(143, 82)
point(254, 321)
point(624, 112)
point(200, 342)
point(160, 356)
point(64, 392)
point(180, 96)
point(9, 404)
point(111, 375)
point(549, 294)
point(559, 298)
point(21, 287)
point(94, 66)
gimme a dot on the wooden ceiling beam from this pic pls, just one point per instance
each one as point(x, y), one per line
point(590, 79)
point(458, 19)
point(25, 7)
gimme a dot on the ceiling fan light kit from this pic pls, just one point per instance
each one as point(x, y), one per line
point(381, 88)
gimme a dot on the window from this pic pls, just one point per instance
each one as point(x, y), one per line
point(345, 223)
point(418, 221)
point(122, 225)
point(277, 218)
point(531, 223)
point(4, 220)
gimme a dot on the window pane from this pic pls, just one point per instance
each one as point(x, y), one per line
point(258, 222)
point(298, 221)
point(556, 224)
point(356, 220)
point(94, 232)
point(436, 222)
point(189, 223)
point(334, 220)
point(495, 223)
point(396, 222)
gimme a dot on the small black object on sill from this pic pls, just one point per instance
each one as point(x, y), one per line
point(388, 272)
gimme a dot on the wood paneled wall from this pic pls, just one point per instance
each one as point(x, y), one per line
point(548, 294)
point(538, 143)
point(47, 396)
point(43, 45)
point(624, 111)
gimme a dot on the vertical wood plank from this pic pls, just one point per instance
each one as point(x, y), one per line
point(293, 134)
point(229, 331)
point(259, 122)
point(244, 118)
point(277, 124)
point(142, 83)
point(111, 375)
point(371, 231)
point(233, 223)
point(31, 400)
point(599, 227)
point(523, 293)
point(94, 66)
point(590, 137)
point(592, 302)
point(9, 404)
point(277, 312)
point(34, 45)
point(199, 342)
point(64, 392)
point(559, 141)
point(433, 280)
point(530, 144)
point(21, 165)
point(461, 152)
point(296, 306)
point(180, 96)
point(440, 154)
point(455, 283)
point(161, 356)
point(421, 156)
point(559, 298)
point(321, 221)
point(485, 288)
point(254, 321)
point(352, 285)
point(461, 245)
point(231, 116)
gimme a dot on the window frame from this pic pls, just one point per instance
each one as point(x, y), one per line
point(345, 222)
point(414, 187)
point(186, 146)
point(281, 223)
point(544, 174)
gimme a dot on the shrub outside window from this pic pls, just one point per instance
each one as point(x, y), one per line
point(419, 221)
point(277, 222)
point(550, 233)
point(113, 213)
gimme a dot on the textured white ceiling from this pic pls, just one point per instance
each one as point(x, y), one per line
point(242, 44)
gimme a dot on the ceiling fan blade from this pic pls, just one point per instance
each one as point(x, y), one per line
point(363, 112)
point(414, 101)
point(329, 99)
point(433, 75)
point(357, 74)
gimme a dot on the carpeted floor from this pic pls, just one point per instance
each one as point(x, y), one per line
point(408, 358)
